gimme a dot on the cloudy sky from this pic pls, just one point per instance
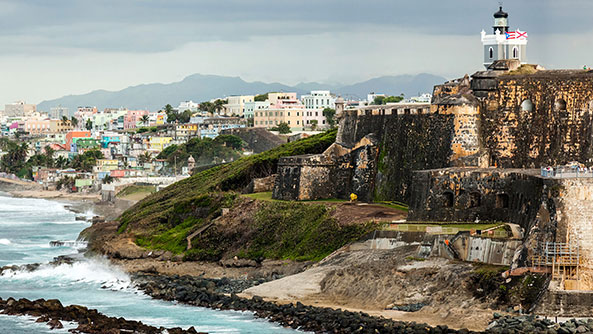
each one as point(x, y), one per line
point(51, 48)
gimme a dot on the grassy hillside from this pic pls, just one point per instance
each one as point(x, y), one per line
point(163, 207)
point(251, 230)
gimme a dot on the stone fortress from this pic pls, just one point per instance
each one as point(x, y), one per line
point(474, 154)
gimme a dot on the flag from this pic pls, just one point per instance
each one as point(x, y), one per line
point(516, 35)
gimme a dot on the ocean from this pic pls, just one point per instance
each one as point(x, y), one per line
point(26, 228)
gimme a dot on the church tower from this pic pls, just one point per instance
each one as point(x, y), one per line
point(503, 43)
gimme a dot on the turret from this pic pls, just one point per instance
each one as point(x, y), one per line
point(501, 21)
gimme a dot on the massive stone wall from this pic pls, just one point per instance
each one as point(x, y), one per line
point(407, 142)
point(470, 194)
point(538, 119)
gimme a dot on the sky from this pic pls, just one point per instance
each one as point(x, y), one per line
point(52, 48)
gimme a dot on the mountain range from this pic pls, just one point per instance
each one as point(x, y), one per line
point(199, 87)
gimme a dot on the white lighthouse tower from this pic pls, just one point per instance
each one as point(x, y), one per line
point(503, 43)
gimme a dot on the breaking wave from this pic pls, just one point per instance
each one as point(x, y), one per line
point(91, 271)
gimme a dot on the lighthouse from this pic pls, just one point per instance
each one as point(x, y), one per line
point(504, 43)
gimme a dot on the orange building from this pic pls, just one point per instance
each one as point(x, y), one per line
point(75, 134)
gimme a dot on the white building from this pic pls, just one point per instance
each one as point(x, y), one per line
point(319, 99)
point(371, 97)
point(314, 105)
point(236, 104)
point(188, 105)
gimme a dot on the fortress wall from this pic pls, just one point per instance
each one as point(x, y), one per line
point(409, 143)
point(459, 194)
point(557, 130)
point(575, 217)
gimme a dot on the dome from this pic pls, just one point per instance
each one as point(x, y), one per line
point(501, 14)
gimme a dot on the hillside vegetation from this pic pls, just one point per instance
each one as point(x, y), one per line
point(158, 209)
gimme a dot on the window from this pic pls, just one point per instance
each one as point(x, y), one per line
point(316, 113)
point(297, 122)
point(289, 114)
point(515, 52)
point(288, 122)
point(491, 52)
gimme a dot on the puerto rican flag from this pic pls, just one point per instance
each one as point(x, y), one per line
point(516, 35)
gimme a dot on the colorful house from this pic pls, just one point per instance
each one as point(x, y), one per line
point(75, 134)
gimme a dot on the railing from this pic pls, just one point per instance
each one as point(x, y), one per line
point(566, 172)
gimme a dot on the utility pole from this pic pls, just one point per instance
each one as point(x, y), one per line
point(175, 166)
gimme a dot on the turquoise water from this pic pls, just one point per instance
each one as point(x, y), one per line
point(26, 228)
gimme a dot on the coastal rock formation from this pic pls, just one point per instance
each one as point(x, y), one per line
point(89, 321)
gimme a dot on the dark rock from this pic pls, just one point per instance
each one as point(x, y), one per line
point(55, 324)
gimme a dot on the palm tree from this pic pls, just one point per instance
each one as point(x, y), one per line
point(74, 121)
point(145, 157)
point(61, 162)
point(144, 119)
point(64, 118)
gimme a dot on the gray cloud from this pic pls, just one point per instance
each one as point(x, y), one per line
point(156, 26)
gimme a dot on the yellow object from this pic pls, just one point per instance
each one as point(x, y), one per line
point(353, 197)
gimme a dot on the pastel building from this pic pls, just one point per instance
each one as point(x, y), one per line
point(159, 143)
point(252, 107)
point(284, 108)
point(133, 118)
point(158, 118)
point(83, 114)
point(187, 130)
point(37, 126)
point(72, 135)
point(236, 104)
point(60, 126)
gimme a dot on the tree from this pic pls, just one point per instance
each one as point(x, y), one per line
point(65, 119)
point(314, 124)
point(74, 121)
point(282, 128)
point(144, 119)
point(145, 157)
point(49, 154)
point(184, 117)
point(231, 141)
point(219, 105)
point(260, 97)
point(61, 162)
point(379, 100)
point(87, 160)
point(108, 179)
point(89, 124)
point(330, 116)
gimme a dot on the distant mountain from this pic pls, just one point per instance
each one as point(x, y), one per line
point(200, 87)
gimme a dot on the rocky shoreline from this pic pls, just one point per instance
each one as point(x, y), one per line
point(209, 293)
point(89, 321)
point(203, 292)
